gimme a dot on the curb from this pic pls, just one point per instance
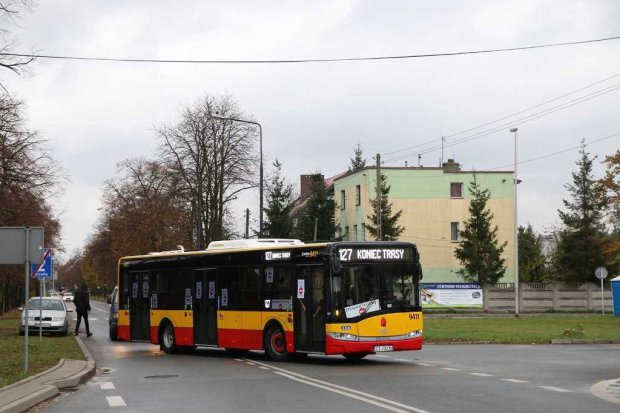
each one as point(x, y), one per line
point(51, 388)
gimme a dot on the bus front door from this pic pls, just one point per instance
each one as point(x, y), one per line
point(139, 306)
point(205, 307)
point(308, 309)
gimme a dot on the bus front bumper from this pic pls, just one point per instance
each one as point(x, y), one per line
point(372, 344)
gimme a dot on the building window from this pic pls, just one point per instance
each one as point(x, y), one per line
point(363, 232)
point(454, 231)
point(358, 195)
point(342, 199)
point(354, 232)
point(456, 190)
point(346, 234)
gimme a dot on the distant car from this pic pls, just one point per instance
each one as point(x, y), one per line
point(67, 296)
point(55, 318)
point(113, 317)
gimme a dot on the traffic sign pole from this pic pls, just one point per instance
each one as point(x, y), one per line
point(601, 274)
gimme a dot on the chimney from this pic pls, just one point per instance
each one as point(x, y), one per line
point(306, 183)
point(451, 166)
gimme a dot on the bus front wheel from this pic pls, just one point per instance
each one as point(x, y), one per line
point(167, 341)
point(275, 344)
point(355, 356)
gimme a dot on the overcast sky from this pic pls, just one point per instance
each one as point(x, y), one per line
point(96, 114)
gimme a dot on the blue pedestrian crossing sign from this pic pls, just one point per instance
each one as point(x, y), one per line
point(43, 270)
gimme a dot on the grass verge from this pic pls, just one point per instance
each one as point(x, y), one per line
point(41, 355)
point(524, 329)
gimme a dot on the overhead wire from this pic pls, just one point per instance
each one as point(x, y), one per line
point(326, 60)
point(504, 117)
point(522, 120)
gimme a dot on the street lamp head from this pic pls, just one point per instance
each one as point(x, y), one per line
point(217, 115)
point(513, 130)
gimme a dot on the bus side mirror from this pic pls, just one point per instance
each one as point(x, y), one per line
point(334, 261)
point(417, 270)
point(337, 284)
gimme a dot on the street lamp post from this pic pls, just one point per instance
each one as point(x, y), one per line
point(260, 184)
point(516, 240)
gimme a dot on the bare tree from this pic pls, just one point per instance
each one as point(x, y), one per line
point(216, 160)
point(9, 12)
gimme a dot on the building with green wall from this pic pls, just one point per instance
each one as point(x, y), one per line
point(435, 205)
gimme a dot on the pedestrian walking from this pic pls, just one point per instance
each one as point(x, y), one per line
point(82, 307)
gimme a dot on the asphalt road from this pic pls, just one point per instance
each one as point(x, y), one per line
point(134, 377)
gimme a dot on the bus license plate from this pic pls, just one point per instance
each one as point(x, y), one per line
point(383, 348)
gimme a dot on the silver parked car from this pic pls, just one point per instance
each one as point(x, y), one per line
point(54, 316)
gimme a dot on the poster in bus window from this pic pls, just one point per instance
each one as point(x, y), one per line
point(301, 288)
point(224, 297)
point(188, 297)
point(145, 289)
point(451, 295)
point(134, 290)
point(269, 275)
point(199, 290)
point(154, 300)
point(211, 290)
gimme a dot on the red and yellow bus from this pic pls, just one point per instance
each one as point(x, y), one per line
point(280, 296)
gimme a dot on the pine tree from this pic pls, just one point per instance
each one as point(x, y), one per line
point(478, 251)
point(390, 230)
point(610, 186)
point(357, 163)
point(319, 210)
point(278, 221)
point(581, 243)
point(531, 258)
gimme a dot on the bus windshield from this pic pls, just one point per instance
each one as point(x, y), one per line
point(363, 289)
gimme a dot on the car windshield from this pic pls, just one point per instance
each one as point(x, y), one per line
point(54, 305)
point(367, 288)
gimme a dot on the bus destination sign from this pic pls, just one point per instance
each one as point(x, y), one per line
point(372, 254)
point(277, 255)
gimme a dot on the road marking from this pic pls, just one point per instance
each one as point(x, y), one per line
point(481, 374)
point(558, 389)
point(424, 364)
point(107, 385)
point(238, 360)
point(450, 369)
point(405, 360)
point(116, 401)
point(264, 368)
point(345, 391)
point(250, 363)
point(515, 381)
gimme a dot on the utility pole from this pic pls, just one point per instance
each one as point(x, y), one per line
point(316, 227)
point(378, 194)
point(247, 223)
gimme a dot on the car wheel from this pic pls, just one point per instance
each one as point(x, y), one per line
point(113, 334)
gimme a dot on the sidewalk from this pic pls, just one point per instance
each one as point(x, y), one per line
point(26, 393)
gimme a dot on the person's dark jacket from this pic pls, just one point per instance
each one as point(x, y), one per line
point(81, 301)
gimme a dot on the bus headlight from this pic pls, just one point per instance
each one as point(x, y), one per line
point(343, 336)
point(415, 333)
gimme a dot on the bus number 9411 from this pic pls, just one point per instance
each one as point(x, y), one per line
point(414, 316)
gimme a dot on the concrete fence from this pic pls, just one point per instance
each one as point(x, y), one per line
point(547, 297)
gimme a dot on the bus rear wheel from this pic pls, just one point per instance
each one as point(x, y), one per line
point(275, 344)
point(167, 341)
